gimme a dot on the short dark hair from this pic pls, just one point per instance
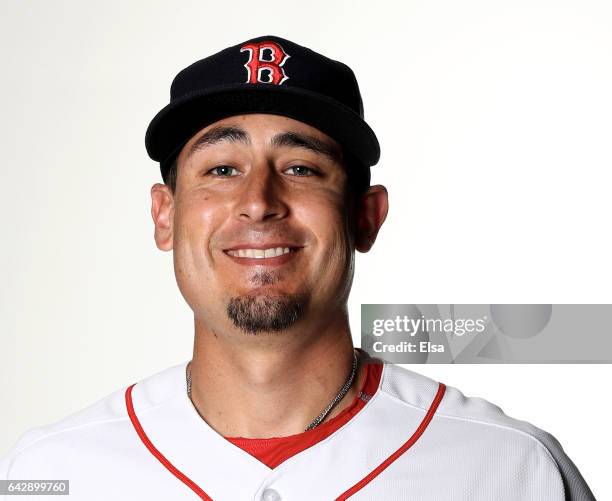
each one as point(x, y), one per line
point(358, 175)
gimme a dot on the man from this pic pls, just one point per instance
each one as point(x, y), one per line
point(265, 157)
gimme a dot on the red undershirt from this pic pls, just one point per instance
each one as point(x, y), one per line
point(273, 451)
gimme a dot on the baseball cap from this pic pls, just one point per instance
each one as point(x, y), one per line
point(267, 74)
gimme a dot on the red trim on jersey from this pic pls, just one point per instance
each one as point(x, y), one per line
point(162, 459)
point(409, 443)
point(374, 368)
point(273, 451)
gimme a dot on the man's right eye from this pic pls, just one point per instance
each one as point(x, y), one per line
point(222, 171)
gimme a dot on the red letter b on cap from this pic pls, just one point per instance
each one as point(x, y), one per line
point(265, 64)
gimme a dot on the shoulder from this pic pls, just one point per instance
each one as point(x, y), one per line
point(482, 426)
point(87, 431)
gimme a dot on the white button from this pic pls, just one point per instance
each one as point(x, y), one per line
point(270, 495)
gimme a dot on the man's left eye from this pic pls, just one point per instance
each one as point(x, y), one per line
point(302, 170)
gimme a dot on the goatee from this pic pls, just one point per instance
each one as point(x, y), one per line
point(255, 314)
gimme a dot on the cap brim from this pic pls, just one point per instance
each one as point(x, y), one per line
point(175, 124)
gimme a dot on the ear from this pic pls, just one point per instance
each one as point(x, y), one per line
point(162, 211)
point(371, 214)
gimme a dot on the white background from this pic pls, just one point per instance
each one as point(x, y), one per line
point(494, 120)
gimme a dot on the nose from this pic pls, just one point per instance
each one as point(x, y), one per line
point(261, 196)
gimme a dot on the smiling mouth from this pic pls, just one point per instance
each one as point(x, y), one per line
point(261, 253)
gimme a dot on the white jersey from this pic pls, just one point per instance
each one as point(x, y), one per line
point(415, 439)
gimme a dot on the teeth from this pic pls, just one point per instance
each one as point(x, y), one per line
point(259, 253)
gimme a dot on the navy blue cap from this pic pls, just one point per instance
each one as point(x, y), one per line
point(266, 74)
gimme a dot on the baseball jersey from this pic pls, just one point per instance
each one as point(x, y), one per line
point(414, 439)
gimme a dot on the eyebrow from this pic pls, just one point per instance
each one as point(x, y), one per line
point(217, 134)
point(236, 134)
point(296, 140)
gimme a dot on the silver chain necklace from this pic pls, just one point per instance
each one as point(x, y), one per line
point(319, 419)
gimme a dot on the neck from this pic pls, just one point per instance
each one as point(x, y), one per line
point(271, 385)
